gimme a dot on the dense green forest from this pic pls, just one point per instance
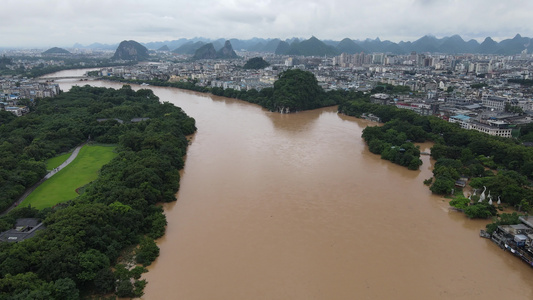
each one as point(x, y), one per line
point(392, 142)
point(256, 63)
point(524, 82)
point(503, 165)
point(297, 90)
point(78, 252)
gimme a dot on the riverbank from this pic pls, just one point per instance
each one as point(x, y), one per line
point(304, 234)
point(515, 238)
point(295, 90)
point(287, 205)
point(117, 210)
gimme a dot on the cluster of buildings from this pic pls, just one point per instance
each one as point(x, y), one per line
point(492, 113)
point(12, 90)
point(471, 63)
point(518, 239)
point(472, 90)
point(208, 73)
point(28, 64)
point(469, 114)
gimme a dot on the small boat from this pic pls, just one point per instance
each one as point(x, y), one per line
point(484, 234)
point(144, 84)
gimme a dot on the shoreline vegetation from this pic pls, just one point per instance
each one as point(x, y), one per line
point(77, 255)
point(79, 252)
point(503, 165)
point(463, 157)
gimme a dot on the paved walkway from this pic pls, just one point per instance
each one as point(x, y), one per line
point(50, 174)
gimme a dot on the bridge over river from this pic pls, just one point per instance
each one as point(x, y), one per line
point(80, 78)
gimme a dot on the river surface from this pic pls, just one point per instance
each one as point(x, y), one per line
point(294, 206)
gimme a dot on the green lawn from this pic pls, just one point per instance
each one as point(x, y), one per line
point(62, 186)
point(55, 162)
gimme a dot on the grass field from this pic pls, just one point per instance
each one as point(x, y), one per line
point(62, 186)
point(55, 162)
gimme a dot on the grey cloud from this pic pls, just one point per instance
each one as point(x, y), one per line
point(63, 22)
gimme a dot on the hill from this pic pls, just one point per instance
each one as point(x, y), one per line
point(256, 63)
point(56, 51)
point(257, 47)
point(227, 51)
point(349, 46)
point(375, 45)
point(514, 45)
point(488, 46)
point(208, 51)
point(189, 47)
point(312, 47)
point(271, 46)
point(426, 43)
point(282, 48)
point(296, 90)
point(454, 44)
point(131, 50)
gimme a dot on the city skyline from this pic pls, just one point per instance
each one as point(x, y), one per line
point(63, 23)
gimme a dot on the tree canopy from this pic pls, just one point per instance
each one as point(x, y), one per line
point(84, 237)
point(281, 98)
point(296, 90)
point(256, 63)
point(459, 152)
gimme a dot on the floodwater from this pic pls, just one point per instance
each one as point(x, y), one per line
point(294, 206)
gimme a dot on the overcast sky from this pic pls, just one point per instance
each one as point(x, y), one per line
point(48, 23)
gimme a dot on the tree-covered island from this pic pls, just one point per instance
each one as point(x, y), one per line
point(85, 247)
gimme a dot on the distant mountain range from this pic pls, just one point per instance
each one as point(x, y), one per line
point(208, 51)
point(315, 47)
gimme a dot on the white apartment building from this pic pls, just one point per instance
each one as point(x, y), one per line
point(492, 127)
point(496, 128)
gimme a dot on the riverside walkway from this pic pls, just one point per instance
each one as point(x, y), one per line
point(50, 174)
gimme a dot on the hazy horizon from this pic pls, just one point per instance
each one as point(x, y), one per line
point(63, 23)
point(73, 46)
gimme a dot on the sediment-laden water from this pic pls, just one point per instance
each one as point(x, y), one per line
point(294, 206)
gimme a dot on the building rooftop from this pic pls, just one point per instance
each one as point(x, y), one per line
point(461, 117)
point(528, 220)
point(24, 229)
point(473, 106)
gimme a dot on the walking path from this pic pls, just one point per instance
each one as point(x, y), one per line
point(50, 174)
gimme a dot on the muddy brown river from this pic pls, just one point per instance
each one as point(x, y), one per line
point(294, 206)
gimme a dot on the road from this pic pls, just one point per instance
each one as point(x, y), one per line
point(50, 174)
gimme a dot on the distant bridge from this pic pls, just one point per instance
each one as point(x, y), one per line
point(81, 78)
